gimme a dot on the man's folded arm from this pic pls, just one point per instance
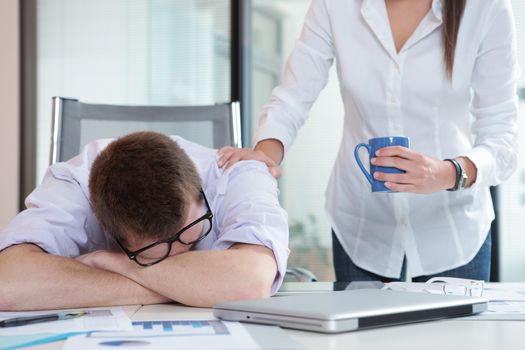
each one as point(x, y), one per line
point(34, 280)
point(204, 278)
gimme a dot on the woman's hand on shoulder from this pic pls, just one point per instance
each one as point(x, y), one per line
point(228, 156)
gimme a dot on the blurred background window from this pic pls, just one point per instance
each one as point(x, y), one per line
point(139, 52)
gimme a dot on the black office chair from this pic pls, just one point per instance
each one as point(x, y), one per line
point(76, 123)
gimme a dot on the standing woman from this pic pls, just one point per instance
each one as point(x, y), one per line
point(442, 72)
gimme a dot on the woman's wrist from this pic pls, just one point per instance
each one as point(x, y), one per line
point(449, 174)
point(272, 148)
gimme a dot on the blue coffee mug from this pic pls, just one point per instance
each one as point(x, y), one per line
point(372, 146)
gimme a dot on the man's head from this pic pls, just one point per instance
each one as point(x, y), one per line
point(144, 188)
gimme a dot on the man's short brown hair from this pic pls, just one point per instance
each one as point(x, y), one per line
point(142, 183)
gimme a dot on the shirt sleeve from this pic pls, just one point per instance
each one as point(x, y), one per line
point(495, 102)
point(250, 213)
point(306, 74)
point(58, 217)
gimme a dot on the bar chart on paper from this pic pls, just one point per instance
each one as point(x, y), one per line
point(170, 328)
point(169, 335)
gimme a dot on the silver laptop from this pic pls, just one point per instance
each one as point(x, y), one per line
point(350, 310)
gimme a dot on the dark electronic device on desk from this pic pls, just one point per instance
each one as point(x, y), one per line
point(288, 288)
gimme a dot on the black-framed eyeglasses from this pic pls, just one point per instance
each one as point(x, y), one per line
point(156, 252)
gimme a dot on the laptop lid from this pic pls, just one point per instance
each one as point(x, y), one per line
point(343, 311)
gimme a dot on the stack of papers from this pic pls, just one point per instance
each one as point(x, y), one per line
point(101, 328)
point(506, 302)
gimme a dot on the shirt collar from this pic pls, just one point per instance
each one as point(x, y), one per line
point(375, 15)
point(437, 6)
point(437, 9)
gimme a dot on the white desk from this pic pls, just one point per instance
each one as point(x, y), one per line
point(439, 335)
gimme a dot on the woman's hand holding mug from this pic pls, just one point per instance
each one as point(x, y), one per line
point(396, 168)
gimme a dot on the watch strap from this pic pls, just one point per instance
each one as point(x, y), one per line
point(459, 171)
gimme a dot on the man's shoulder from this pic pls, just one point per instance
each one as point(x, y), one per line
point(206, 158)
point(249, 166)
point(250, 175)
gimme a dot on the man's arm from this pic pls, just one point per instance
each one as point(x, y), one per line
point(201, 278)
point(33, 280)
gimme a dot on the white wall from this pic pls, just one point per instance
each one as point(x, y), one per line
point(90, 50)
point(9, 116)
point(127, 52)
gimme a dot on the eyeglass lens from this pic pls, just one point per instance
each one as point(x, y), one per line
point(455, 289)
point(153, 254)
point(193, 234)
point(162, 250)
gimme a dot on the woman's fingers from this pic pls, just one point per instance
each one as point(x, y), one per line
point(275, 171)
point(391, 177)
point(228, 156)
point(225, 149)
point(397, 151)
point(394, 162)
point(223, 159)
point(224, 154)
point(235, 157)
point(401, 187)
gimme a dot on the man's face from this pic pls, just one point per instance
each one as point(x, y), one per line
point(196, 210)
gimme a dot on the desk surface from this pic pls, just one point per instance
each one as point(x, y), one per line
point(439, 335)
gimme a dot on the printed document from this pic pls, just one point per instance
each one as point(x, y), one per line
point(170, 334)
point(96, 319)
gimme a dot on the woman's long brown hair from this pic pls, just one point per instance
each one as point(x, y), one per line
point(452, 13)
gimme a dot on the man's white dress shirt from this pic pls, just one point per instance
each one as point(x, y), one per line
point(389, 93)
point(243, 199)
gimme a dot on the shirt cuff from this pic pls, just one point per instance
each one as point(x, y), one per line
point(11, 241)
point(482, 159)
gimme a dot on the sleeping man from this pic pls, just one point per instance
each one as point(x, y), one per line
point(145, 219)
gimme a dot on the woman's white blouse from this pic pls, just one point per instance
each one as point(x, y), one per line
point(386, 93)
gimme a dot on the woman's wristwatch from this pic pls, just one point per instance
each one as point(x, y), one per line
point(461, 176)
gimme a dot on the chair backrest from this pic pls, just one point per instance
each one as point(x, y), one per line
point(76, 123)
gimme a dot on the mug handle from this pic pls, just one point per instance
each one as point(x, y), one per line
point(358, 160)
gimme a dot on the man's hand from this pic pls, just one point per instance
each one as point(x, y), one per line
point(423, 174)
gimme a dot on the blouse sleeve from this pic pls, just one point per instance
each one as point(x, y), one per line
point(306, 74)
point(495, 103)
